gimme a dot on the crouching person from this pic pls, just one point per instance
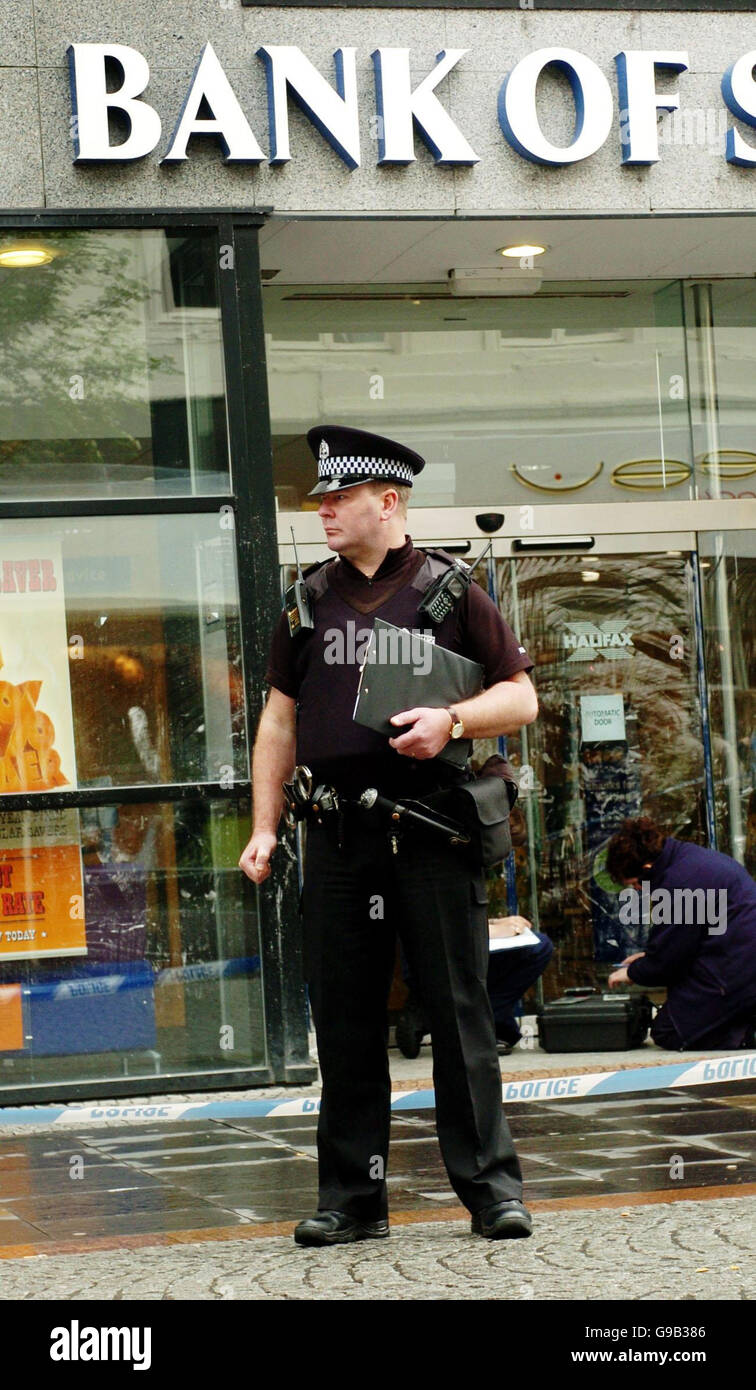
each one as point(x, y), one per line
point(702, 944)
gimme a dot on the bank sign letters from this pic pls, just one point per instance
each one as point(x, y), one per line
point(401, 109)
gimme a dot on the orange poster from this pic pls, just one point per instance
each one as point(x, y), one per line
point(41, 878)
point(11, 1019)
point(36, 723)
point(41, 890)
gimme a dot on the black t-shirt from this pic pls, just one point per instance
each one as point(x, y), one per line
point(320, 668)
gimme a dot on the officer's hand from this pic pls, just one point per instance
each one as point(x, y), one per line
point(428, 735)
point(636, 956)
point(619, 977)
point(255, 861)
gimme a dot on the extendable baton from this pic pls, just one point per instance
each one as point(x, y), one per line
point(402, 811)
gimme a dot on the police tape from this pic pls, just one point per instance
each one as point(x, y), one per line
point(628, 1081)
point(208, 970)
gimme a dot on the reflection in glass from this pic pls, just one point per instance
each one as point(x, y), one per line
point(578, 393)
point(112, 381)
point(721, 319)
point(166, 975)
point(149, 641)
point(618, 735)
point(728, 582)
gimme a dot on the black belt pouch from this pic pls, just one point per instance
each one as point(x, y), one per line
point(482, 807)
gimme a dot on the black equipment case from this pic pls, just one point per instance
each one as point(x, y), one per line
point(585, 1021)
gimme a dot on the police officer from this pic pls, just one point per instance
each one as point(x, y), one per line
point(362, 882)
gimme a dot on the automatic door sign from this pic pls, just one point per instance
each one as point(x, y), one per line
point(602, 718)
point(586, 641)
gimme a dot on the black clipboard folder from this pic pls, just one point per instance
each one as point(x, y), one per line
point(404, 669)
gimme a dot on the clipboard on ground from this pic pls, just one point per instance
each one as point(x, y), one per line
point(404, 669)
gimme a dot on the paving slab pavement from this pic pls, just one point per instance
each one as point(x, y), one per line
point(683, 1251)
point(637, 1197)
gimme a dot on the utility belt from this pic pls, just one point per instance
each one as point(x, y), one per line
point(471, 817)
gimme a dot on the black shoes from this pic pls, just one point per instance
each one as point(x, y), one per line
point(411, 1028)
point(502, 1221)
point(337, 1228)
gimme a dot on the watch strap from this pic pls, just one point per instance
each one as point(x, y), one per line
point(455, 720)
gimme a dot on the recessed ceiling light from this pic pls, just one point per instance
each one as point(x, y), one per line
point(525, 250)
point(20, 257)
point(590, 576)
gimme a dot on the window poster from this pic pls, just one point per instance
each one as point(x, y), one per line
point(41, 877)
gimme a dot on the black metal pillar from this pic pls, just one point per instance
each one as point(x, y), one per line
point(260, 600)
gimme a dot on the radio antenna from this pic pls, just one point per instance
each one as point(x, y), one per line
point(296, 557)
point(488, 546)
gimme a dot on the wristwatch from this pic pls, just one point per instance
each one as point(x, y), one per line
point(457, 728)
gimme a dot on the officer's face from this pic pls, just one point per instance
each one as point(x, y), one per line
point(351, 519)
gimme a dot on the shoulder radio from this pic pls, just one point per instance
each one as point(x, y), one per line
point(297, 600)
point(443, 595)
point(438, 601)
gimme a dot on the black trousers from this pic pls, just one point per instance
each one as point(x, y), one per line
point(352, 903)
point(730, 1034)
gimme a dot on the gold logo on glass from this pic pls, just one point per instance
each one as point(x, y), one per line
point(651, 474)
point(559, 482)
point(728, 463)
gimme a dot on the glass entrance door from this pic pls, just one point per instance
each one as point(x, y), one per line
point(619, 734)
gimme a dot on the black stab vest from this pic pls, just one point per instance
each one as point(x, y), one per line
point(328, 669)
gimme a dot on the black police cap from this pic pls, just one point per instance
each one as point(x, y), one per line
point(347, 457)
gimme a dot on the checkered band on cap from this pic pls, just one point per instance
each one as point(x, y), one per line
point(347, 465)
point(347, 456)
